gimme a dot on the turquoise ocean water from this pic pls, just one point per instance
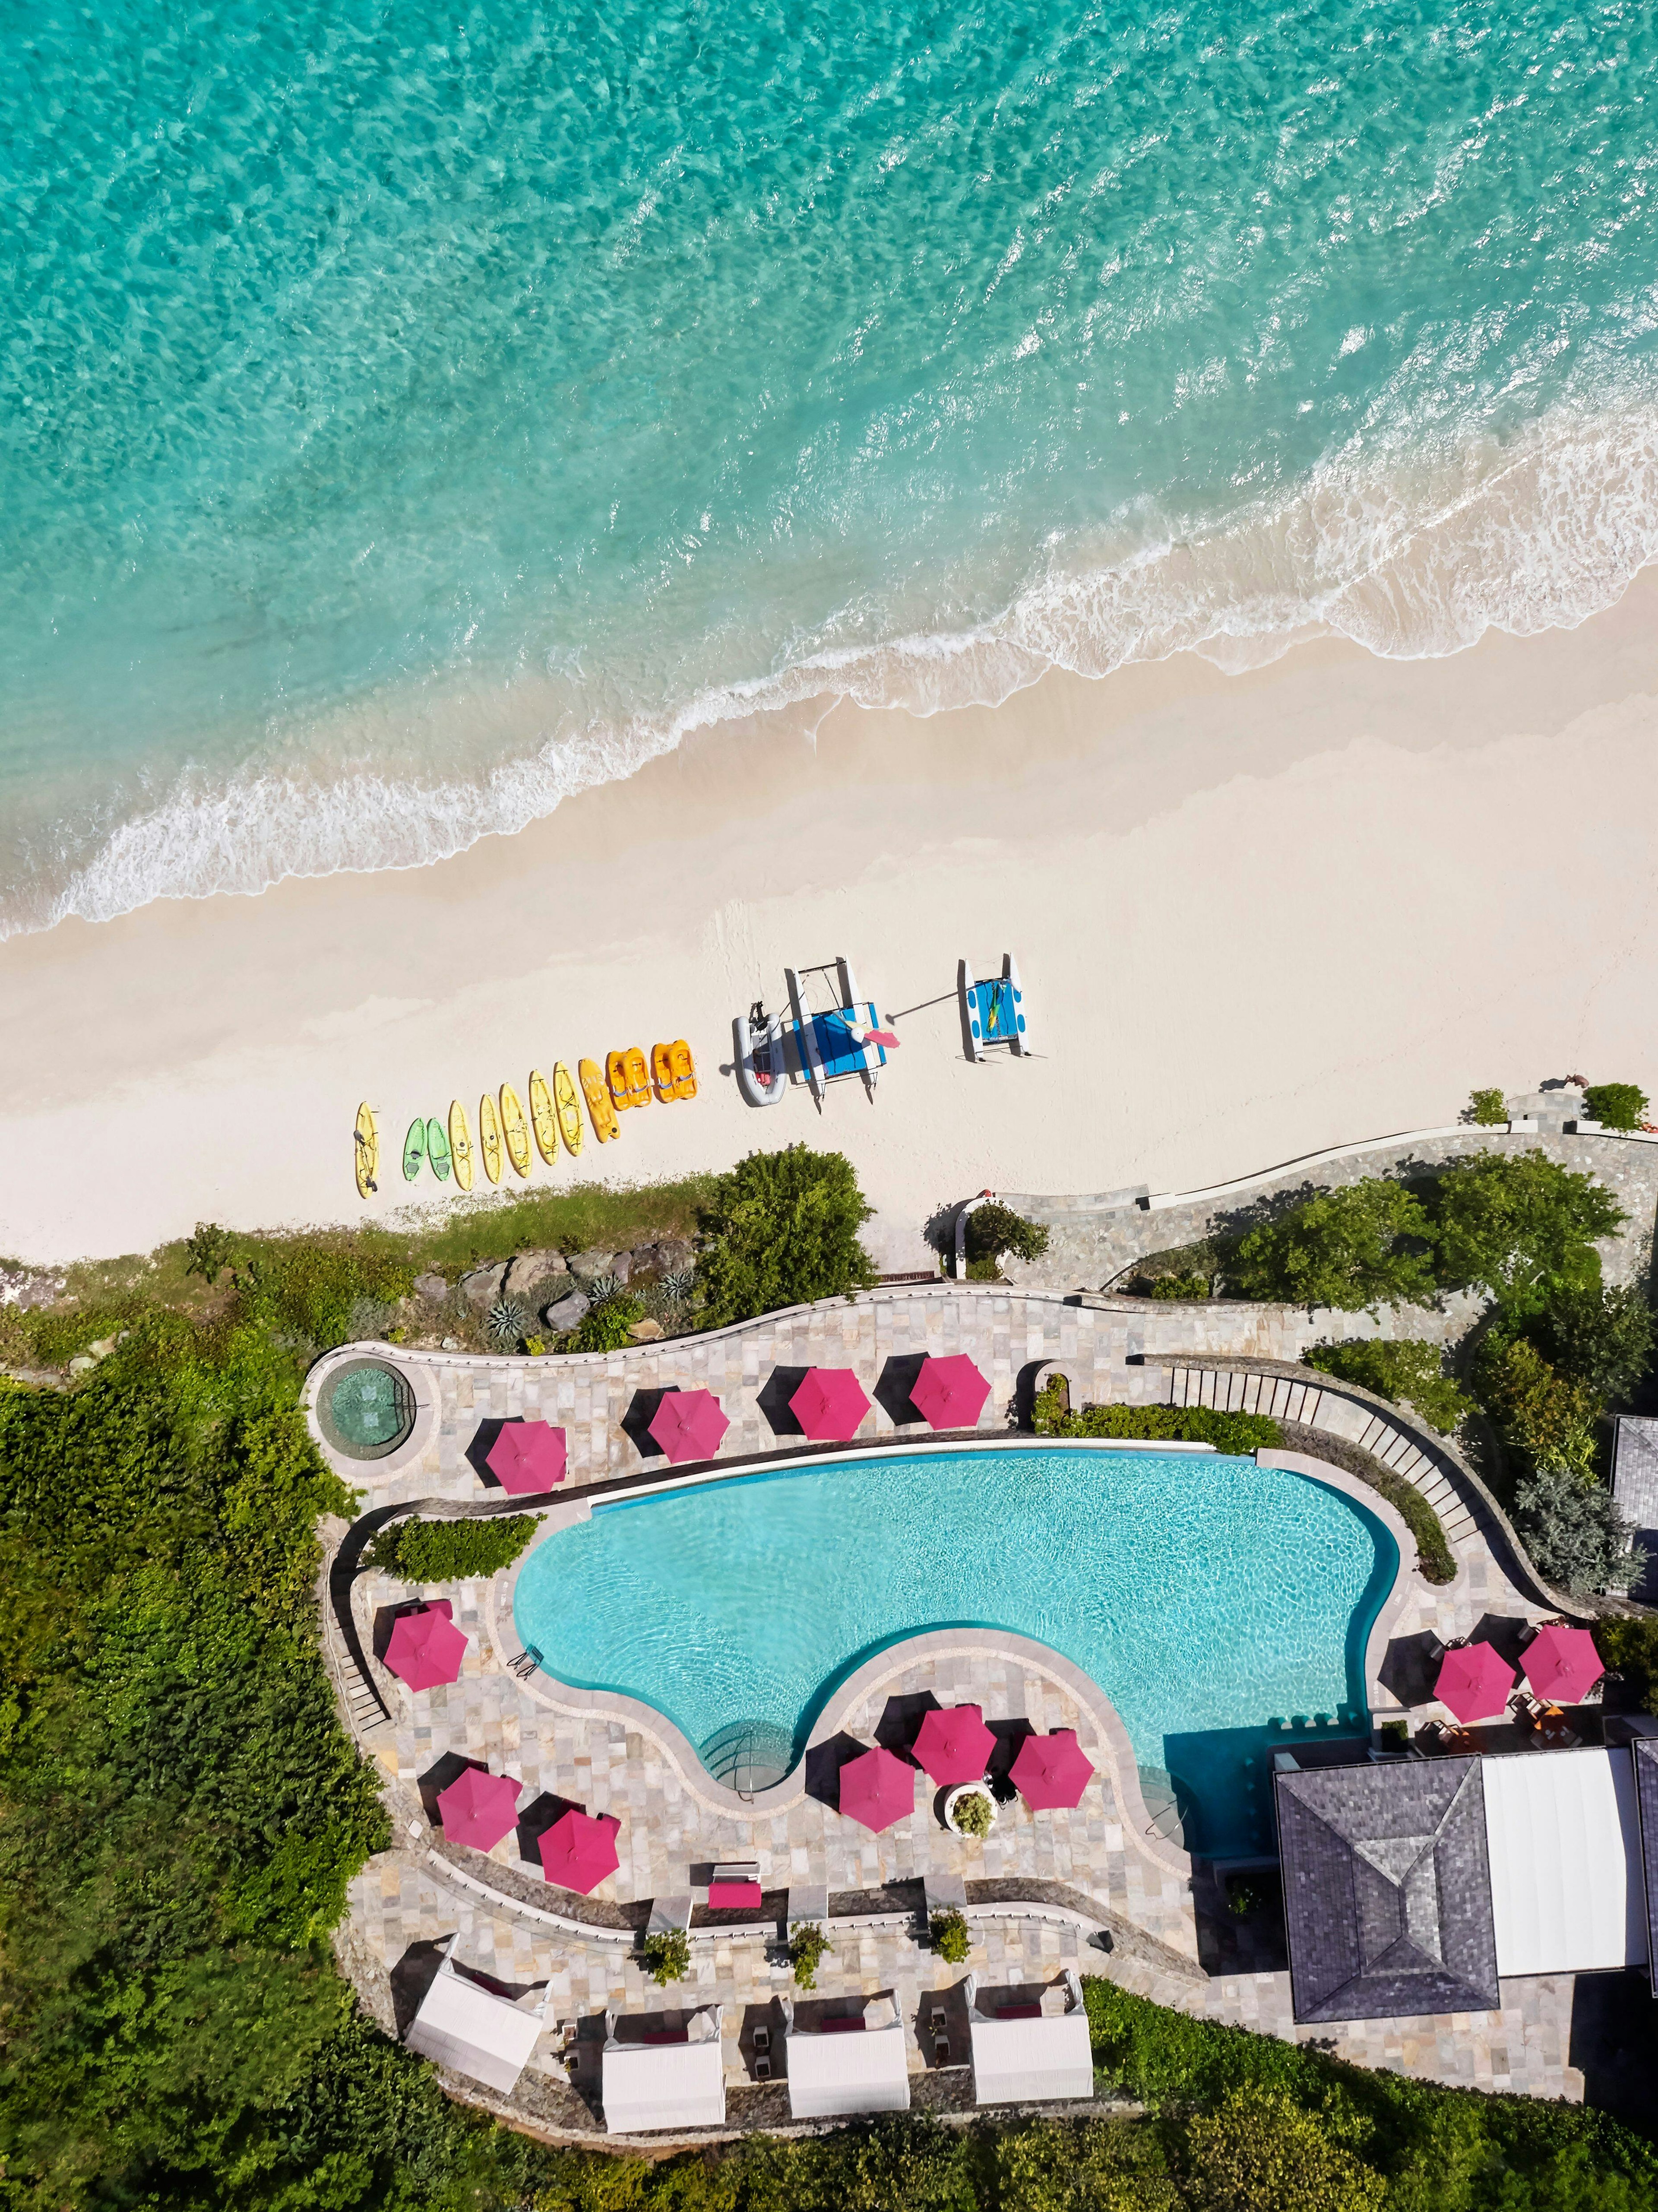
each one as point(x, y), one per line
point(407, 414)
point(1209, 1598)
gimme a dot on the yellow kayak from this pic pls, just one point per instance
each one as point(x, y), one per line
point(606, 1125)
point(489, 1137)
point(569, 1108)
point(516, 1129)
point(367, 1149)
point(460, 1145)
point(542, 1115)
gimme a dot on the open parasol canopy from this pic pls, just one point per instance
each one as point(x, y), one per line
point(878, 1788)
point(949, 1394)
point(689, 1425)
point(829, 1404)
point(527, 1456)
point(1052, 1772)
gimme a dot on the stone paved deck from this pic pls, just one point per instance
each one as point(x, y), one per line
point(1119, 1884)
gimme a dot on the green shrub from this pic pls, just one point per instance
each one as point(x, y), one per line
point(993, 1229)
point(1247, 1894)
point(949, 1936)
point(1576, 1534)
point(1434, 1557)
point(974, 1815)
point(1628, 1643)
point(781, 1230)
point(1239, 1434)
point(450, 1551)
point(807, 1945)
point(319, 1291)
point(1262, 2152)
point(668, 1956)
point(1601, 1338)
point(1616, 1105)
point(1409, 1371)
point(1181, 1286)
point(607, 1325)
point(1543, 1419)
point(1486, 1109)
point(1367, 1245)
point(1519, 1227)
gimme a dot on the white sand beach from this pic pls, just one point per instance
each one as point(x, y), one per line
point(1255, 914)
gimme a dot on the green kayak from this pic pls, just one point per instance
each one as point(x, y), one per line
point(437, 1149)
point(414, 1150)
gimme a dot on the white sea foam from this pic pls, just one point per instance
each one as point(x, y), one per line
point(1538, 533)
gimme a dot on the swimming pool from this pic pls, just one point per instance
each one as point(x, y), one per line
point(1207, 1597)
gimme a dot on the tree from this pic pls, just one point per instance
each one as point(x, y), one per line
point(668, 1955)
point(1519, 1227)
point(1543, 1420)
point(1262, 2153)
point(1097, 2167)
point(1601, 1338)
point(1364, 1246)
point(1576, 1534)
point(807, 1945)
point(781, 1230)
point(951, 1939)
point(1486, 1109)
point(1411, 1372)
point(993, 1229)
point(1616, 1105)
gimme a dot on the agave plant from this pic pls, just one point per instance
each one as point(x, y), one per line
point(678, 1286)
point(600, 1287)
point(506, 1325)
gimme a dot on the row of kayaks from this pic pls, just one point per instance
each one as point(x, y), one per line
point(505, 1131)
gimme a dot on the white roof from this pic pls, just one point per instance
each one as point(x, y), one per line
point(1024, 2061)
point(473, 2032)
point(1567, 1891)
point(663, 2085)
point(862, 2071)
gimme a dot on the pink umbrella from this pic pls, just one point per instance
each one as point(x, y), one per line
point(479, 1809)
point(426, 1647)
point(1474, 1682)
point(526, 1457)
point(878, 1788)
point(954, 1745)
point(578, 1852)
point(1052, 1772)
point(1562, 1664)
point(829, 1404)
point(689, 1425)
point(949, 1393)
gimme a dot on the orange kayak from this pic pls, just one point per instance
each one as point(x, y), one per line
point(683, 1069)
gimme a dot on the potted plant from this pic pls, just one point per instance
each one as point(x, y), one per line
point(807, 1945)
point(668, 1955)
point(949, 1936)
point(971, 1811)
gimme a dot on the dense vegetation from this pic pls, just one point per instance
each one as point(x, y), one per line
point(781, 1229)
point(450, 1551)
point(993, 1229)
point(1407, 1373)
point(1239, 1433)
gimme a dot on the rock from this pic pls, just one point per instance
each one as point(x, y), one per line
point(645, 1332)
point(670, 1257)
point(566, 1312)
point(586, 1265)
point(28, 1287)
point(102, 1349)
point(530, 1271)
point(450, 1344)
point(482, 1286)
point(433, 1288)
point(82, 1363)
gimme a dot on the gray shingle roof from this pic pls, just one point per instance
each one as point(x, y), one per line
point(1645, 1763)
point(1386, 1889)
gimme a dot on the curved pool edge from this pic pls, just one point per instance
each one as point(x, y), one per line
point(546, 1689)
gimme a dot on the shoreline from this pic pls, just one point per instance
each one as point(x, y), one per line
point(1254, 913)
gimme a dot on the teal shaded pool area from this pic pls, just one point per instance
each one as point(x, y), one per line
point(1212, 1600)
point(366, 1409)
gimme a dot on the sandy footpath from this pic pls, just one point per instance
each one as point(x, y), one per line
point(1255, 914)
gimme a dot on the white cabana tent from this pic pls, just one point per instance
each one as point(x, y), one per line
point(473, 2031)
point(664, 2085)
point(861, 2069)
point(1028, 2060)
point(1567, 1889)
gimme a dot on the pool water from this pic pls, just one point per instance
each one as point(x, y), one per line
point(370, 1408)
point(1213, 1601)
